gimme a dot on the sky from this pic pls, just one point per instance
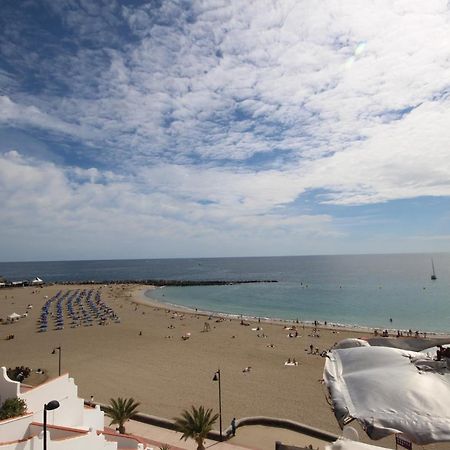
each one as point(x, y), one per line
point(160, 129)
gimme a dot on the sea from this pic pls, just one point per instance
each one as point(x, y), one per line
point(376, 291)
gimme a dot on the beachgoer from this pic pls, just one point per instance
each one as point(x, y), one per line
point(233, 426)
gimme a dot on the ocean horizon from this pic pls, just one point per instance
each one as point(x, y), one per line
point(352, 290)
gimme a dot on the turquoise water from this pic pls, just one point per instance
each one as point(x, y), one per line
point(354, 290)
point(364, 291)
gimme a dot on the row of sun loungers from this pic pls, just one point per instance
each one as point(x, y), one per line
point(75, 308)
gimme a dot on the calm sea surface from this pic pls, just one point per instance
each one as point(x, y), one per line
point(352, 290)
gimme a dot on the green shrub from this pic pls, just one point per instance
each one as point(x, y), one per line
point(13, 407)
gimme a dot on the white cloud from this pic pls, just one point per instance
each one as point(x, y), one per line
point(22, 115)
point(47, 204)
point(403, 159)
point(218, 115)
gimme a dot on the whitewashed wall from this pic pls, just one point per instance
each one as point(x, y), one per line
point(94, 418)
point(124, 441)
point(8, 387)
point(63, 389)
point(16, 428)
point(71, 414)
point(88, 441)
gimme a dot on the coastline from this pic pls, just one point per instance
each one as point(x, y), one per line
point(166, 357)
point(141, 297)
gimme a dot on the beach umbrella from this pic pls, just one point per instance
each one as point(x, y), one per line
point(14, 316)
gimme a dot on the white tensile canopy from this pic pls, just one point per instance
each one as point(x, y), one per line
point(390, 390)
point(37, 280)
point(14, 316)
point(351, 342)
point(347, 444)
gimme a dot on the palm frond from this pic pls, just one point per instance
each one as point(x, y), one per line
point(195, 423)
point(121, 409)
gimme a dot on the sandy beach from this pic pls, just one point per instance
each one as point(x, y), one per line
point(145, 357)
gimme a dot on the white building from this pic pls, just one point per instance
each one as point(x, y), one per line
point(72, 426)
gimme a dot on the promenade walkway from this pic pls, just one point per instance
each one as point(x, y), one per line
point(251, 437)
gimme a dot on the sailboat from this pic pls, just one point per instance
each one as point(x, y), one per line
point(433, 275)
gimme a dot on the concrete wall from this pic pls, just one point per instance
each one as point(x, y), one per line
point(246, 421)
point(286, 424)
point(63, 389)
point(94, 418)
point(64, 440)
point(16, 428)
point(8, 387)
point(124, 441)
point(21, 434)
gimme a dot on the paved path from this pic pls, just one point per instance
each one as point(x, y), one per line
point(158, 436)
point(250, 437)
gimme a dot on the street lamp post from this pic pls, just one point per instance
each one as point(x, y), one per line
point(217, 378)
point(59, 358)
point(48, 407)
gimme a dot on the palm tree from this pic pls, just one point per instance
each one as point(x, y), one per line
point(121, 410)
point(196, 424)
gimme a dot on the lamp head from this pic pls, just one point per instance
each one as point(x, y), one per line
point(51, 405)
point(216, 376)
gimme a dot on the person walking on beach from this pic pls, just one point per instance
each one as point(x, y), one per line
point(233, 426)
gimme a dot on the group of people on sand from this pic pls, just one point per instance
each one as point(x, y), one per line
point(291, 362)
point(315, 351)
point(293, 333)
point(400, 333)
point(442, 352)
point(314, 333)
point(18, 373)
